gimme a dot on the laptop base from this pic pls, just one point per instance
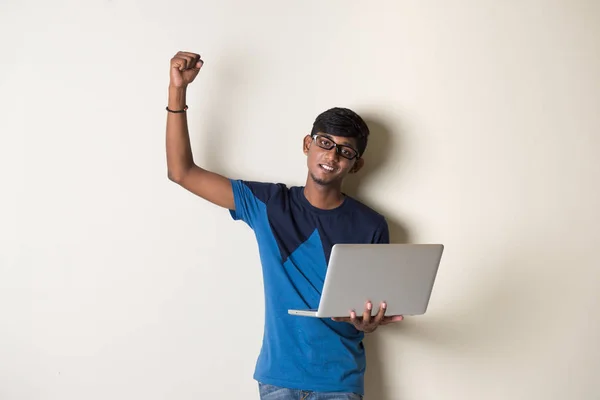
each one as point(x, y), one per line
point(303, 313)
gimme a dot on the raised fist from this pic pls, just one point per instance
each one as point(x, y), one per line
point(184, 68)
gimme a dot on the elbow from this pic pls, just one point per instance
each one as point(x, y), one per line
point(179, 173)
point(175, 176)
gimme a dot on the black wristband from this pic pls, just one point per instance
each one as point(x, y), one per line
point(177, 111)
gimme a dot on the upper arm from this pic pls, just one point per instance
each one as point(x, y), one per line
point(251, 200)
point(382, 234)
point(209, 185)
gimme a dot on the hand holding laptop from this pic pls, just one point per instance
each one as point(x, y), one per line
point(400, 277)
point(367, 322)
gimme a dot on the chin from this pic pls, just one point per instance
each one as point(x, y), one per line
point(322, 182)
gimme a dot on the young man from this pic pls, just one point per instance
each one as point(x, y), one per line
point(295, 229)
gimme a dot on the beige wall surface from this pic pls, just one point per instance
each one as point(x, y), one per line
point(116, 283)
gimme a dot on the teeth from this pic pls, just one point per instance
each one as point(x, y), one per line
point(327, 167)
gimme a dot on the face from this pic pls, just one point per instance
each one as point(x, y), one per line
point(330, 166)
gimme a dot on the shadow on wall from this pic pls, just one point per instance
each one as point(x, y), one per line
point(382, 141)
point(225, 81)
point(492, 321)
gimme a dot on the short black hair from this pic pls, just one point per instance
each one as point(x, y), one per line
point(339, 121)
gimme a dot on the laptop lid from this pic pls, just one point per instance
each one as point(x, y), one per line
point(402, 275)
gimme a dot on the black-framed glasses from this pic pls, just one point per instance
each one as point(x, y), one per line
point(343, 150)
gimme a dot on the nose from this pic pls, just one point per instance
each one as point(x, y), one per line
point(332, 154)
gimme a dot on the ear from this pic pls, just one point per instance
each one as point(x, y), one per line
point(358, 164)
point(306, 144)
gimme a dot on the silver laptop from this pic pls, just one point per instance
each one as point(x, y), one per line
point(402, 275)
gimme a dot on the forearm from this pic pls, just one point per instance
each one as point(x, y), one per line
point(179, 152)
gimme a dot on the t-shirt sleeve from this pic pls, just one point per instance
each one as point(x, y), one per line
point(250, 200)
point(382, 234)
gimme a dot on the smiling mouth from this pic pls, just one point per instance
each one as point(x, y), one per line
point(327, 168)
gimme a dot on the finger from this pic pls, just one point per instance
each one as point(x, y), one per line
point(189, 61)
point(367, 313)
point(180, 62)
point(190, 54)
point(391, 319)
point(380, 314)
point(353, 319)
point(341, 319)
point(194, 60)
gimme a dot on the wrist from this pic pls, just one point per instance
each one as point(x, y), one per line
point(174, 88)
point(177, 97)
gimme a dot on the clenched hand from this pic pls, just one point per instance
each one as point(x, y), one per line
point(184, 68)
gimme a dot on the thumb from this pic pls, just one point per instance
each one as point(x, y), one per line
point(394, 318)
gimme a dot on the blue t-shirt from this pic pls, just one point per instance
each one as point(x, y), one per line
point(294, 242)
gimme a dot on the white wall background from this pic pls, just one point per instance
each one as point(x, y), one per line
point(115, 283)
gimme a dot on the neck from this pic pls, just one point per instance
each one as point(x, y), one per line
point(323, 197)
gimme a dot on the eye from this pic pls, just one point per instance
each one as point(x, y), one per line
point(325, 142)
point(347, 153)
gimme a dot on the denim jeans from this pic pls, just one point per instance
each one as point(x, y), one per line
point(270, 392)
